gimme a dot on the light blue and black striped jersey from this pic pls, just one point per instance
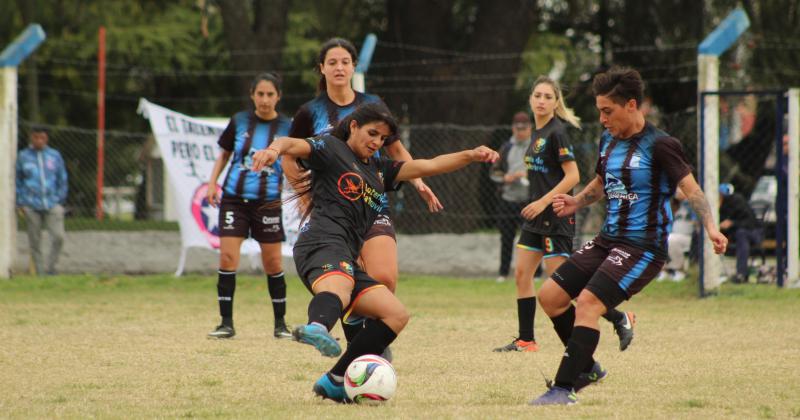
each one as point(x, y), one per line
point(639, 176)
point(244, 135)
point(320, 115)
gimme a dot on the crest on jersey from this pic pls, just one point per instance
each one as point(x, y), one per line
point(351, 186)
point(539, 145)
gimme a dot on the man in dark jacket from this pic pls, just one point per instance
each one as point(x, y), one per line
point(739, 224)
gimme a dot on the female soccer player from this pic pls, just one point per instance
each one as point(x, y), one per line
point(245, 192)
point(336, 63)
point(551, 170)
point(347, 195)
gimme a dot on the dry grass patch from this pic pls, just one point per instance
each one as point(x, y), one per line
point(117, 347)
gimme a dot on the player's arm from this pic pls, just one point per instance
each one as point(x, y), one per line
point(697, 200)
point(445, 163)
point(219, 164)
point(286, 146)
point(397, 151)
point(565, 204)
point(567, 183)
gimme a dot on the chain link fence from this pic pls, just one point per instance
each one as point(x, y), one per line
point(134, 189)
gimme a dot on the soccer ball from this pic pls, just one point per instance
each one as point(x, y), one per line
point(370, 379)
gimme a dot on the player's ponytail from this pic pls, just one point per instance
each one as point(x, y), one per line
point(561, 110)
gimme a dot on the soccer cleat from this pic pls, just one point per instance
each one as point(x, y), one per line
point(556, 396)
point(222, 331)
point(317, 336)
point(281, 331)
point(594, 376)
point(327, 388)
point(519, 345)
point(624, 330)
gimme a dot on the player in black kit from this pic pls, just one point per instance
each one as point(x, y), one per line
point(551, 170)
point(347, 193)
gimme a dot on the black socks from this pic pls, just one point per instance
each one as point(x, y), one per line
point(577, 356)
point(526, 310)
point(373, 339)
point(325, 308)
point(276, 284)
point(226, 286)
point(613, 316)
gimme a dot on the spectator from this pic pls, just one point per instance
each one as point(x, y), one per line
point(738, 222)
point(679, 240)
point(41, 193)
point(511, 174)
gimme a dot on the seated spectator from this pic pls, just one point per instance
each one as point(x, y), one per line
point(679, 241)
point(739, 224)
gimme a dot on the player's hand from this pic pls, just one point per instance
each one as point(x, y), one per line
point(430, 198)
point(719, 241)
point(533, 209)
point(264, 158)
point(484, 154)
point(211, 194)
point(564, 205)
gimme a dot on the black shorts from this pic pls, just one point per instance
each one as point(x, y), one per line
point(550, 246)
point(382, 226)
point(601, 264)
point(242, 219)
point(315, 262)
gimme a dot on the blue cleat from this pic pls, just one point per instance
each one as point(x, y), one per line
point(594, 376)
point(317, 336)
point(326, 388)
point(556, 396)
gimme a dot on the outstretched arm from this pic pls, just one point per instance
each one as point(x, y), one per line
point(397, 151)
point(288, 146)
point(565, 205)
point(703, 211)
point(443, 164)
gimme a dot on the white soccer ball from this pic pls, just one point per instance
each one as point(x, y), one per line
point(370, 379)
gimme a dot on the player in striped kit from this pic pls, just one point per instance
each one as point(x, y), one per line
point(638, 170)
point(246, 194)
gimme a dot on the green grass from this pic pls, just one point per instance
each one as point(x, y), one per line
point(121, 347)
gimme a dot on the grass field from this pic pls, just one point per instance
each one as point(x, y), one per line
point(135, 347)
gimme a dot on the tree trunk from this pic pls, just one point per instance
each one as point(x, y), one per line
point(255, 37)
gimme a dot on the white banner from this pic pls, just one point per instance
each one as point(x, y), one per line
point(189, 149)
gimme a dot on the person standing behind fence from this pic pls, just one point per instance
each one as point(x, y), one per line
point(41, 183)
point(245, 194)
point(510, 173)
point(336, 100)
point(551, 170)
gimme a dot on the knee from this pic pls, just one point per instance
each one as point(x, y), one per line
point(553, 299)
point(385, 276)
point(273, 265)
point(398, 318)
point(228, 260)
point(588, 306)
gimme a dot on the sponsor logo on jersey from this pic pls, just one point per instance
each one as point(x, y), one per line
point(346, 267)
point(351, 186)
point(327, 267)
point(317, 143)
point(615, 189)
point(635, 160)
point(564, 151)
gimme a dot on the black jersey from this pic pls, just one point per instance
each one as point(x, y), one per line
point(550, 146)
point(347, 194)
